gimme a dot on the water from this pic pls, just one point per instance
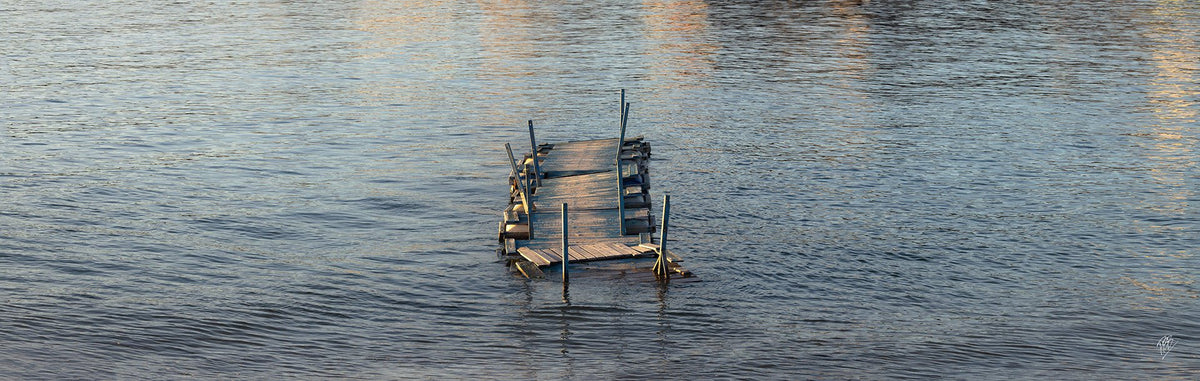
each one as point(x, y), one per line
point(1002, 189)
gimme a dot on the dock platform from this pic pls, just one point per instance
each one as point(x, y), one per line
point(605, 185)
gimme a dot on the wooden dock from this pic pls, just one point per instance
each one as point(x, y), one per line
point(604, 183)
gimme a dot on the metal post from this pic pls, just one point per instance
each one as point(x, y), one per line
point(517, 174)
point(660, 266)
point(565, 255)
point(623, 109)
point(524, 190)
point(621, 141)
point(620, 176)
point(622, 99)
point(624, 117)
point(537, 171)
point(525, 177)
point(620, 201)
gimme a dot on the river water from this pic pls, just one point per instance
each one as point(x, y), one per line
point(880, 190)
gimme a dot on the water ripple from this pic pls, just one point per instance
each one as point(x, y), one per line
point(878, 190)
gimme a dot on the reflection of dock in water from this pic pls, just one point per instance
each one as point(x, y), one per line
point(602, 190)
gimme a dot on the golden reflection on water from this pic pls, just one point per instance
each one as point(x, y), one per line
point(681, 35)
point(852, 64)
point(1170, 151)
point(853, 48)
point(1172, 95)
point(395, 25)
point(509, 34)
point(853, 42)
point(506, 33)
point(412, 37)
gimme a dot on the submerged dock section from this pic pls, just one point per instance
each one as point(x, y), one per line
point(605, 186)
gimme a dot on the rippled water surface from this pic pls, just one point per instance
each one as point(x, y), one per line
point(884, 189)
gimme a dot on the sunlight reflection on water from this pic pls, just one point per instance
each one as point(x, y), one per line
point(866, 189)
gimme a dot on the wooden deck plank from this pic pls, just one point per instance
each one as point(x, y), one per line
point(604, 250)
point(578, 255)
point(645, 248)
point(529, 269)
point(594, 183)
point(533, 256)
point(596, 252)
point(586, 252)
point(583, 223)
point(590, 155)
point(547, 244)
point(622, 249)
point(551, 255)
point(589, 252)
point(628, 168)
point(584, 255)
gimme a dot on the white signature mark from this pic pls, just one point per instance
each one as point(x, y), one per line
point(1165, 344)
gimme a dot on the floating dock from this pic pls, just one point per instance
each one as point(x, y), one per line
point(588, 199)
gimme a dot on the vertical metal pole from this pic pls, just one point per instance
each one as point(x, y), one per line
point(660, 266)
point(662, 245)
point(621, 141)
point(511, 160)
point(623, 108)
point(620, 176)
point(620, 200)
point(517, 174)
point(622, 99)
point(521, 185)
point(537, 171)
point(624, 116)
point(565, 254)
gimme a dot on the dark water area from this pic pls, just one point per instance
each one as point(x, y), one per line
point(874, 190)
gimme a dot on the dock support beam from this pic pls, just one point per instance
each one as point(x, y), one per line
point(565, 255)
point(660, 265)
point(537, 171)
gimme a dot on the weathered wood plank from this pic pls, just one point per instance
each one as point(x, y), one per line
point(589, 252)
point(622, 249)
point(592, 252)
point(586, 251)
point(584, 224)
point(613, 250)
point(529, 269)
point(578, 255)
point(533, 256)
point(540, 244)
point(552, 255)
point(590, 155)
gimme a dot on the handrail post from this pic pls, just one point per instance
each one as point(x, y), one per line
point(521, 186)
point(621, 140)
point(537, 171)
point(565, 255)
point(620, 201)
point(520, 182)
point(660, 266)
point(620, 176)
